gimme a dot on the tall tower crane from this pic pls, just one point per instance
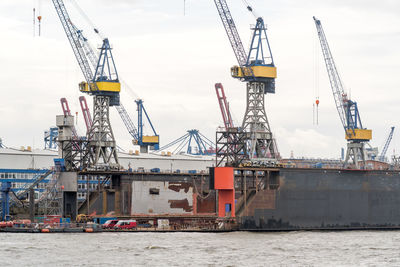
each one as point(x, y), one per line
point(144, 141)
point(386, 146)
point(258, 70)
point(102, 82)
point(355, 134)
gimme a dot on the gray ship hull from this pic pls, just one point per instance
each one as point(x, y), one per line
point(326, 199)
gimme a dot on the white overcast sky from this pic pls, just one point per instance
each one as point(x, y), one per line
point(172, 61)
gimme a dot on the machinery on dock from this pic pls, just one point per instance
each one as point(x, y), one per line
point(257, 69)
point(349, 115)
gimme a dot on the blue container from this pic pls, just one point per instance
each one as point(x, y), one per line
point(192, 171)
point(155, 170)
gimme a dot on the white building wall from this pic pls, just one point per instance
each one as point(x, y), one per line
point(43, 159)
point(145, 203)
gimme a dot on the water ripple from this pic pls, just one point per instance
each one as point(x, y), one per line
point(361, 248)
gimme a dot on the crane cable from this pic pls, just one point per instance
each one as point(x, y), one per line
point(316, 83)
point(83, 14)
point(249, 8)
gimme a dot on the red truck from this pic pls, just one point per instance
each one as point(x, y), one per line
point(109, 224)
point(126, 224)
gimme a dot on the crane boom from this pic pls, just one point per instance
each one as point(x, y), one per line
point(74, 40)
point(127, 121)
point(88, 50)
point(339, 94)
point(231, 31)
point(386, 146)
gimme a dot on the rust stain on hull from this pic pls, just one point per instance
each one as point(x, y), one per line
point(180, 204)
point(178, 186)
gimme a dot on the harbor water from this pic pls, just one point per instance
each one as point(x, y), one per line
point(341, 248)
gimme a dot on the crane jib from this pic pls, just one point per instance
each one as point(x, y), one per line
point(347, 109)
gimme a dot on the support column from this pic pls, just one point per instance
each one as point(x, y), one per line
point(101, 149)
point(255, 124)
point(104, 202)
point(31, 204)
point(355, 154)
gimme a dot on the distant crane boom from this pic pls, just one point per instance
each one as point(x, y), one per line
point(154, 140)
point(224, 106)
point(387, 143)
point(127, 121)
point(86, 113)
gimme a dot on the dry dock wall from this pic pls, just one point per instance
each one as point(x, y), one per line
point(156, 194)
point(327, 199)
point(284, 199)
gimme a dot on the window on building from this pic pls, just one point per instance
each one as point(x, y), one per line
point(154, 191)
